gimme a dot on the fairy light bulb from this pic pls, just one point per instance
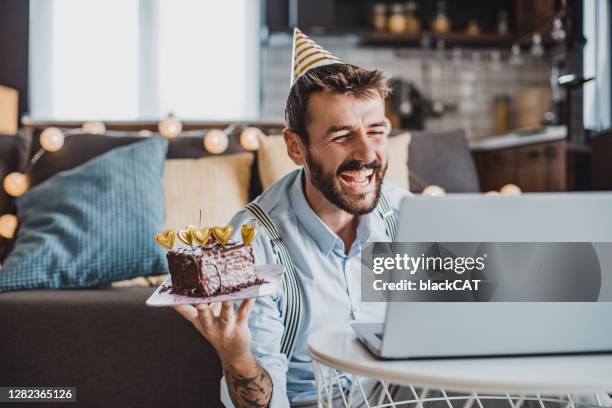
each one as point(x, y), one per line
point(510, 189)
point(216, 141)
point(170, 127)
point(433, 191)
point(52, 139)
point(145, 133)
point(250, 138)
point(8, 226)
point(94, 128)
point(492, 193)
point(15, 184)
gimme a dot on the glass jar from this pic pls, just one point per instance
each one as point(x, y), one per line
point(413, 24)
point(441, 23)
point(502, 23)
point(502, 114)
point(397, 20)
point(472, 29)
point(379, 17)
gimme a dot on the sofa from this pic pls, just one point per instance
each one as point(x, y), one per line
point(104, 340)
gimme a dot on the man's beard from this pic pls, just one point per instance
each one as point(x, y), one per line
point(329, 185)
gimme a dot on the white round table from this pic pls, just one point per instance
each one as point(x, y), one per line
point(339, 351)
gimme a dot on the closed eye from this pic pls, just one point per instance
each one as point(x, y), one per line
point(341, 138)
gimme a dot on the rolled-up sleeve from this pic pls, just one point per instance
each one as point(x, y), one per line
point(266, 325)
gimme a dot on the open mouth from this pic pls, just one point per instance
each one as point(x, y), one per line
point(357, 179)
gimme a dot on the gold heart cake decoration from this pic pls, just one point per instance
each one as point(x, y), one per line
point(248, 234)
point(201, 235)
point(222, 234)
point(186, 235)
point(165, 239)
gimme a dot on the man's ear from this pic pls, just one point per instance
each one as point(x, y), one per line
point(295, 147)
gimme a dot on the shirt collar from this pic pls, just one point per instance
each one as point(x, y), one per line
point(325, 238)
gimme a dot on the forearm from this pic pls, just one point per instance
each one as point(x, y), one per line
point(248, 383)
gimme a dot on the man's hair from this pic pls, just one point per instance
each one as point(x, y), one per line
point(343, 79)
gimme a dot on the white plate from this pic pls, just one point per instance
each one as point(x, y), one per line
point(270, 273)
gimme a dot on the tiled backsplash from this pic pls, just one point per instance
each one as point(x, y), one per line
point(467, 78)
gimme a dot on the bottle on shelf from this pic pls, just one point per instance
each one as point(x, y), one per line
point(413, 24)
point(502, 23)
point(397, 19)
point(441, 24)
point(379, 17)
point(472, 29)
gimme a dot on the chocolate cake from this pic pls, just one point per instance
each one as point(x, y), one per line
point(213, 269)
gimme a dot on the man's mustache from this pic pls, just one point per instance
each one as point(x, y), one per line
point(353, 165)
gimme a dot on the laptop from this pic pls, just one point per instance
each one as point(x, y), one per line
point(413, 330)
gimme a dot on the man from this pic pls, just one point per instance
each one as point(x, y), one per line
point(337, 130)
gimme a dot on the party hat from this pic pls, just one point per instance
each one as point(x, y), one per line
point(307, 55)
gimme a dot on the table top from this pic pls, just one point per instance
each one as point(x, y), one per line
point(340, 349)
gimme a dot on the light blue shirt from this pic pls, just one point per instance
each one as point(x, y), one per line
point(329, 278)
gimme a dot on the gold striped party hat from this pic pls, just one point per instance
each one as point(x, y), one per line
point(307, 55)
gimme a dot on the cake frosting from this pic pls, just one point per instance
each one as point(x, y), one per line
point(212, 269)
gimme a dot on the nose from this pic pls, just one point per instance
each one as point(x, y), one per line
point(363, 147)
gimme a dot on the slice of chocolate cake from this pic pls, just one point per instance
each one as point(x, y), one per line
point(212, 270)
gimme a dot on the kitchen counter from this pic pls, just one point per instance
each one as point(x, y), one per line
point(548, 134)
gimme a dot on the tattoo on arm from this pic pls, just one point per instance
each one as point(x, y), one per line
point(253, 391)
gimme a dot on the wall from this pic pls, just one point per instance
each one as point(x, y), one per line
point(14, 15)
point(470, 80)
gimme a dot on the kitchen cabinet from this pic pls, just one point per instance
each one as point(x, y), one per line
point(534, 167)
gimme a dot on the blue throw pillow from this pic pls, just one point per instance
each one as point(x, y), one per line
point(92, 224)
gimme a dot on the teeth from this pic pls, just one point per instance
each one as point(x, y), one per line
point(363, 173)
point(357, 177)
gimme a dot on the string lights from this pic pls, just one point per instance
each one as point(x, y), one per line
point(52, 139)
point(170, 127)
point(16, 184)
point(250, 138)
point(510, 189)
point(94, 128)
point(8, 226)
point(216, 141)
point(433, 191)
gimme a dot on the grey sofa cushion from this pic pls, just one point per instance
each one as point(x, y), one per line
point(443, 159)
point(114, 349)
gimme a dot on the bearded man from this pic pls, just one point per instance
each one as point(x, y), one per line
point(313, 221)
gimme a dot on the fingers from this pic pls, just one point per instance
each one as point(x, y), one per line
point(187, 311)
point(205, 314)
point(216, 308)
point(245, 309)
point(205, 317)
point(227, 312)
point(190, 313)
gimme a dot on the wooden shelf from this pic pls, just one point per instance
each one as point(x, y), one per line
point(453, 38)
